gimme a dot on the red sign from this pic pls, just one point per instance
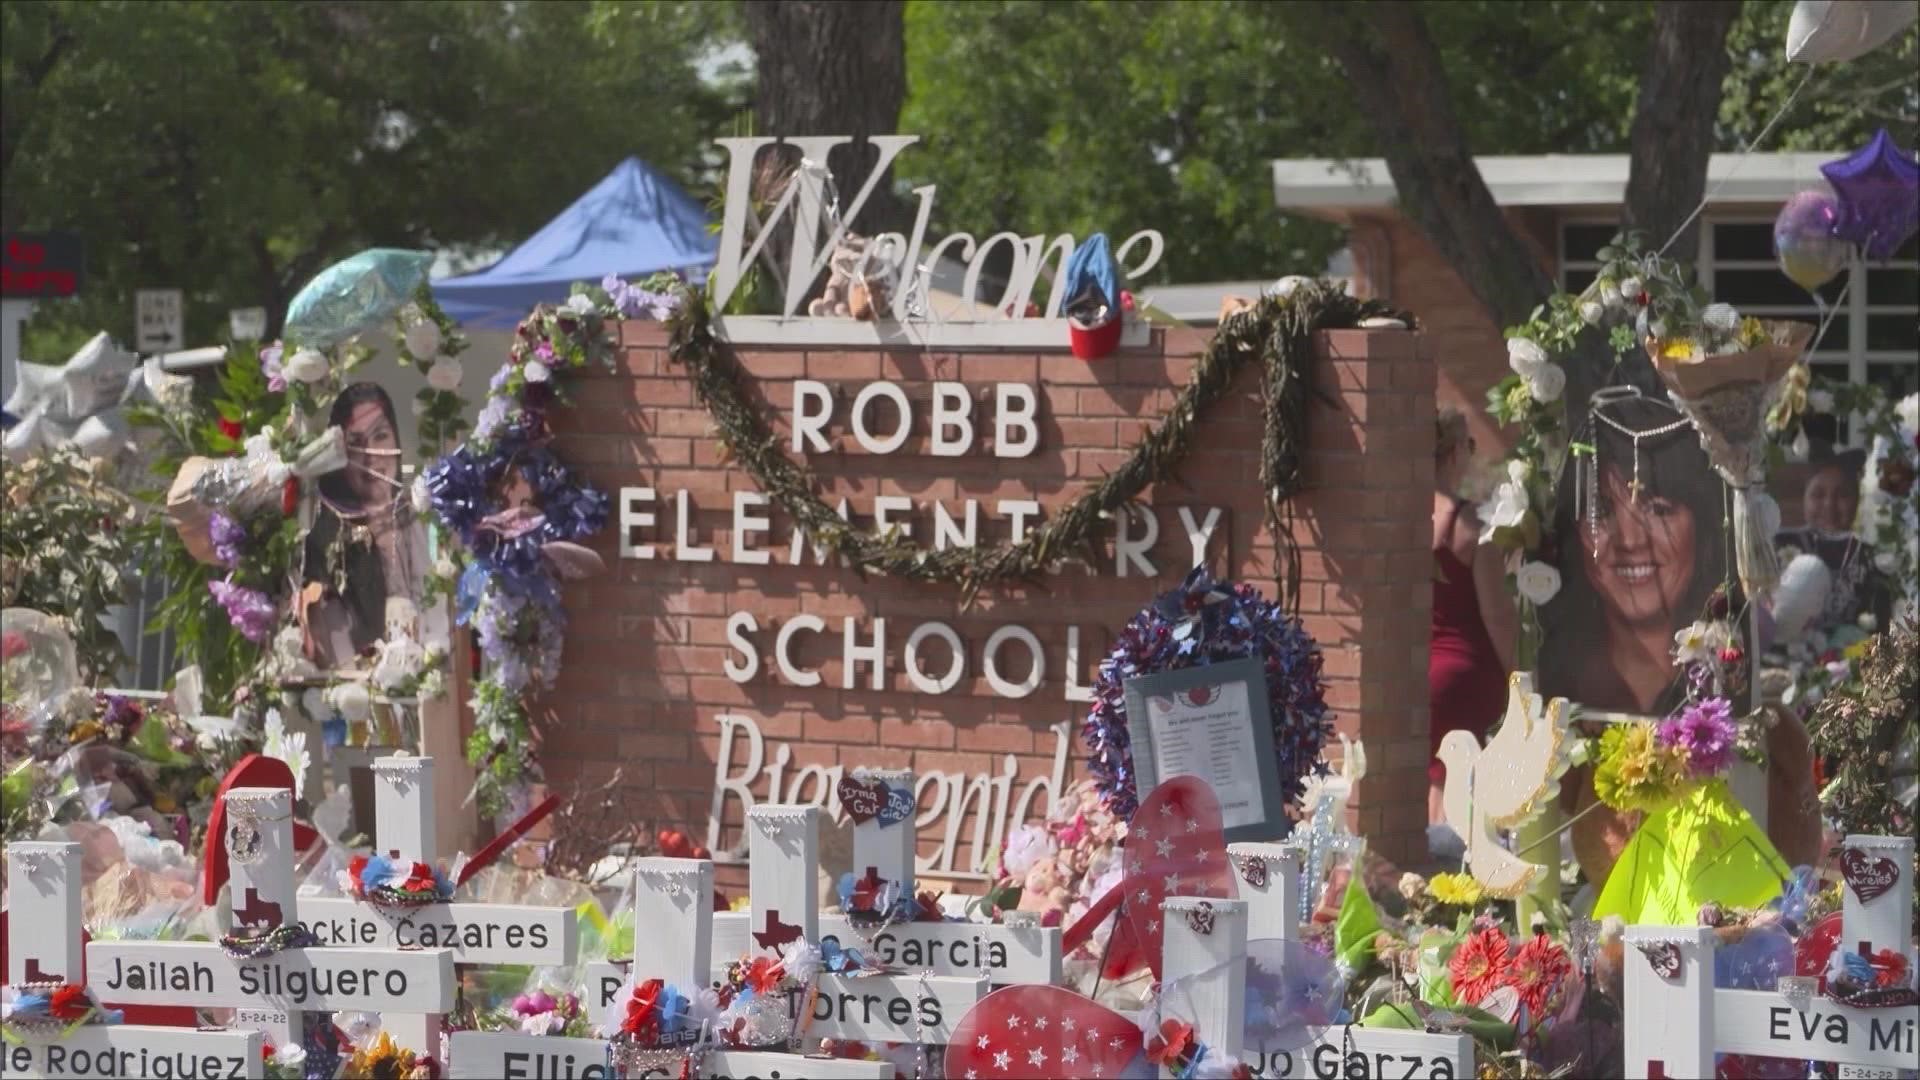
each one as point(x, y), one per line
point(41, 265)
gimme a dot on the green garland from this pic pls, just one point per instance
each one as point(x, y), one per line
point(1277, 333)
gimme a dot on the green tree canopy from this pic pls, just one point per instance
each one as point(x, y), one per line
point(234, 149)
point(1120, 114)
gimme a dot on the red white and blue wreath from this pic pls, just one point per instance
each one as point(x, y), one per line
point(1200, 622)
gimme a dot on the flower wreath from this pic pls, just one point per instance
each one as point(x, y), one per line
point(509, 591)
point(1200, 622)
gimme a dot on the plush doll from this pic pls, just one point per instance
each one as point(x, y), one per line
point(860, 280)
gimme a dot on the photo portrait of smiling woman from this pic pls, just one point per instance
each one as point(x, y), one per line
point(1639, 563)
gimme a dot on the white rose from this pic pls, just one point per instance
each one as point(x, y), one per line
point(1630, 289)
point(1908, 410)
point(1820, 401)
point(1547, 382)
point(290, 1056)
point(1288, 285)
point(418, 406)
point(1886, 562)
point(1538, 582)
point(443, 567)
point(1518, 470)
point(1591, 312)
point(351, 701)
point(535, 371)
point(445, 374)
point(1609, 293)
point(1523, 356)
point(579, 304)
point(423, 339)
point(306, 366)
point(1505, 510)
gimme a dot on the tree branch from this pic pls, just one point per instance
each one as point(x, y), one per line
point(37, 74)
point(1394, 70)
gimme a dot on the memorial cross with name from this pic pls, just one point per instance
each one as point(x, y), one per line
point(404, 826)
point(1206, 941)
point(321, 978)
point(1676, 1021)
point(44, 951)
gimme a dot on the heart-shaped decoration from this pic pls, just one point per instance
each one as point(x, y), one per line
point(1253, 870)
point(1662, 956)
point(863, 797)
point(899, 806)
point(1870, 877)
point(1200, 919)
point(1175, 846)
point(1036, 1031)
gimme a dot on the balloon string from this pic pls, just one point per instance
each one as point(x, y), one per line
point(1741, 158)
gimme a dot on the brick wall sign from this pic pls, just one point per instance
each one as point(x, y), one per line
point(724, 661)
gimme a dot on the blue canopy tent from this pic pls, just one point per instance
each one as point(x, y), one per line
point(633, 223)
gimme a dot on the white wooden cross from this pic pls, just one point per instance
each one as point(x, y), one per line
point(44, 946)
point(673, 942)
point(1676, 1021)
point(1267, 876)
point(476, 933)
point(1880, 922)
point(259, 843)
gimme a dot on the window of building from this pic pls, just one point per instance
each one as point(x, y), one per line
point(1873, 337)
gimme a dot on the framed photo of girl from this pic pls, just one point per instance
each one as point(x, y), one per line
point(365, 556)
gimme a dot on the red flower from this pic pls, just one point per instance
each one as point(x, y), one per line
point(231, 428)
point(13, 644)
point(1479, 965)
point(764, 974)
point(1171, 1045)
point(1731, 656)
point(290, 496)
point(69, 1002)
point(642, 1022)
point(929, 908)
point(1538, 972)
point(675, 845)
point(355, 867)
point(1889, 968)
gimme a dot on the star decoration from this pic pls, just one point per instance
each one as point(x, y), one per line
point(1036, 1056)
point(1040, 1022)
point(1163, 848)
point(982, 1043)
point(1002, 1060)
point(1172, 882)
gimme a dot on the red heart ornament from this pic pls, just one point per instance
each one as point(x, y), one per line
point(862, 797)
point(1175, 846)
point(1870, 877)
point(1038, 1032)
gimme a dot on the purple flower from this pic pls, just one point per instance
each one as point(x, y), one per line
point(249, 610)
point(229, 539)
point(1706, 731)
point(270, 367)
point(634, 302)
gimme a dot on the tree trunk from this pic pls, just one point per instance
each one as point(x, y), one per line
point(834, 67)
point(1673, 122)
point(1396, 75)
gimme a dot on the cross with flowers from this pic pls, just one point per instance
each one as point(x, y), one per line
point(50, 1008)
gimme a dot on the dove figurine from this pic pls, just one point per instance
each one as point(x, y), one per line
point(1499, 786)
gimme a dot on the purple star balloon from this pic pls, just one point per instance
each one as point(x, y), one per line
point(1879, 191)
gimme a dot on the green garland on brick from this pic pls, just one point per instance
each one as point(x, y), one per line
point(1276, 333)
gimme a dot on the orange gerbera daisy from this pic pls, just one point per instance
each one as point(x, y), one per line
point(1479, 965)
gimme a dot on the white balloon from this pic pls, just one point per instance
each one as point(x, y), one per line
point(1826, 31)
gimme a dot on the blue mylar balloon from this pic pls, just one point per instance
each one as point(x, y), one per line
point(354, 294)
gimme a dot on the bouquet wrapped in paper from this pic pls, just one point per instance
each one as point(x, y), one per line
point(242, 487)
point(1724, 380)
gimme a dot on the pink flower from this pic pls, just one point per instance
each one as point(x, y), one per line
point(1706, 731)
point(13, 644)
